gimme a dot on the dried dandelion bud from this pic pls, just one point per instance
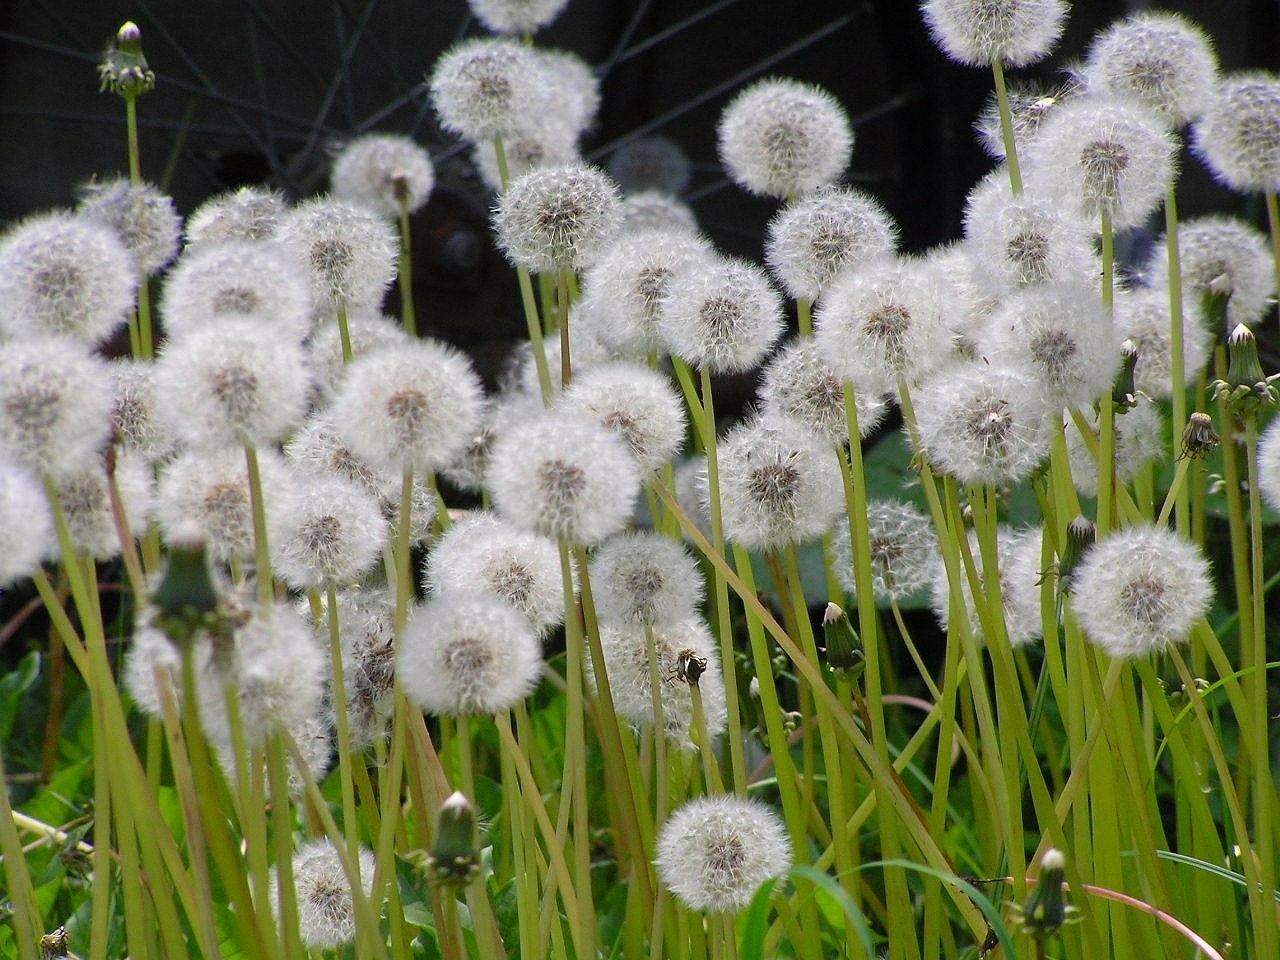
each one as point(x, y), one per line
point(1199, 439)
point(1045, 911)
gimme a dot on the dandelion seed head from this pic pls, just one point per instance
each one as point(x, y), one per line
point(325, 531)
point(242, 215)
point(978, 33)
point(85, 498)
point(1030, 104)
point(326, 908)
point(799, 383)
point(653, 210)
point(1238, 135)
point(517, 17)
point(1142, 316)
point(903, 549)
point(638, 403)
point(542, 139)
point(557, 218)
point(349, 252)
point(651, 164)
point(381, 171)
point(644, 577)
point(1138, 442)
point(142, 216)
point(26, 523)
point(480, 88)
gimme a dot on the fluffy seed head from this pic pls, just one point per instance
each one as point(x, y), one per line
point(413, 406)
point(365, 622)
point(799, 383)
point(245, 214)
point(636, 402)
point(571, 85)
point(1269, 465)
point(654, 163)
point(1140, 590)
point(1029, 105)
point(817, 235)
point(557, 217)
point(626, 659)
point(723, 316)
point(542, 139)
point(977, 33)
point(326, 908)
point(236, 279)
point(644, 578)
point(520, 17)
point(64, 275)
point(349, 251)
point(231, 384)
point(142, 216)
point(903, 550)
point(779, 483)
point(382, 170)
point(1162, 59)
point(481, 88)
point(1224, 253)
point(715, 852)
point(652, 210)
point(367, 329)
point(562, 474)
point(781, 138)
point(1103, 154)
point(133, 416)
point(1238, 135)
point(1019, 590)
point(85, 498)
point(983, 424)
point(484, 552)
point(326, 531)
point(55, 405)
point(469, 654)
point(1138, 442)
point(26, 525)
point(1142, 316)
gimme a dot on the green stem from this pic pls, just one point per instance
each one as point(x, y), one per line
point(562, 303)
point(1177, 376)
point(407, 313)
point(344, 332)
point(1006, 127)
point(131, 132)
point(342, 721)
point(262, 555)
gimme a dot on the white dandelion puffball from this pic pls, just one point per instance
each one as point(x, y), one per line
point(232, 384)
point(638, 403)
point(572, 86)
point(468, 655)
point(55, 404)
point(644, 577)
point(518, 17)
point(64, 275)
point(902, 546)
point(1140, 590)
point(799, 383)
point(715, 852)
point(557, 218)
point(1238, 135)
point(978, 33)
point(350, 253)
point(781, 138)
point(819, 234)
point(326, 531)
point(85, 499)
point(1030, 104)
point(654, 210)
point(237, 279)
point(326, 908)
point(134, 421)
point(382, 171)
point(1159, 58)
point(983, 424)
point(142, 216)
point(1142, 317)
point(367, 330)
point(1269, 465)
point(723, 316)
point(1103, 155)
point(366, 624)
point(485, 552)
point(480, 88)
point(411, 406)
point(562, 474)
point(1019, 592)
point(1138, 442)
point(543, 139)
point(244, 214)
point(26, 524)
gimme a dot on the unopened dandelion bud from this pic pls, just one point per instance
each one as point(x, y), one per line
point(1046, 910)
point(1081, 534)
point(844, 647)
point(1199, 439)
point(1246, 387)
point(186, 600)
point(124, 69)
point(454, 858)
point(1124, 390)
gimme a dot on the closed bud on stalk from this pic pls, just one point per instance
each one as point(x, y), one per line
point(1081, 533)
point(124, 69)
point(1124, 389)
point(844, 647)
point(1246, 387)
point(1199, 439)
point(454, 858)
point(1045, 911)
point(186, 600)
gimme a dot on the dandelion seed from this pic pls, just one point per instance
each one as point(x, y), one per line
point(644, 578)
point(715, 852)
point(978, 33)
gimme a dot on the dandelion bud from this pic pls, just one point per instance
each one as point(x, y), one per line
point(56, 945)
point(123, 69)
point(1199, 439)
point(557, 218)
point(1123, 389)
point(978, 33)
point(1081, 534)
point(454, 858)
point(715, 852)
point(1045, 911)
point(186, 600)
point(1246, 388)
point(1238, 135)
point(781, 138)
point(844, 646)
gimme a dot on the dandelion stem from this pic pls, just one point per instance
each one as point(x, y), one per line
point(407, 312)
point(1006, 127)
point(1177, 378)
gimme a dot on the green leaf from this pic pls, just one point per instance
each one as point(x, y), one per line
point(13, 687)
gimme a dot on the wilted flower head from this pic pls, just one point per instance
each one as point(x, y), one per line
point(723, 315)
point(715, 852)
point(64, 275)
point(781, 138)
point(1162, 59)
point(653, 163)
point(564, 475)
point(237, 279)
point(141, 215)
point(799, 383)
point(779, 483)
point(983, 424)
point(232, 384)
point(325, 530)
point(381, 171)
point(26, 525)
point(1138, 442)
point(483, 552)
point(412, 406)
point(1238, 135)
point(557, 218)
point(644, 577)
point(349, 252)
point(1101, 154)
point(1142, 317)
point(903, 548)
point(247, 213)
point(1140, 590)
point(85, 498)
point(326, 908)
point(516, 16)
point(1029, 105)
point(482, 87)
point(622, 290)
point(626, 662)
point(468, 654)
point(1222, 254)
point(819, 234)
point(55, 404)
point(653, 210)
point(636, 402)
point(978, 33)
